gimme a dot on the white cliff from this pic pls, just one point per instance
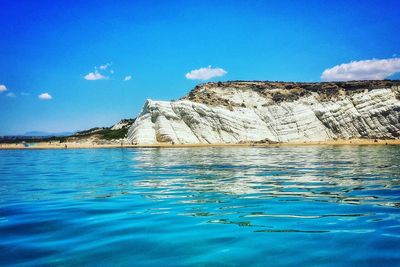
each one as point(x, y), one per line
point(243, 112)
point(124, 123)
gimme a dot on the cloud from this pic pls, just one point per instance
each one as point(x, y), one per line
point(11, 95)
point(45, 96)
point(373, 69)
point(127, 78)
point(96, 75)
point(3, 88)
point(93, 76)
point(105, 66)
point(25, 94)
point(205, 73)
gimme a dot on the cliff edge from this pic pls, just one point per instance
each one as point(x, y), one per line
point(267, 112)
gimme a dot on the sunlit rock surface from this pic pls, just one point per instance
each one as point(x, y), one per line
point(125, 123)
point(243, 112)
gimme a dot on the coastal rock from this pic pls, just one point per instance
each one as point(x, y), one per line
point(267, 112)
point(124, 123)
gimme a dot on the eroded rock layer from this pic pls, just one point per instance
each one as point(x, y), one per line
point(242, 112)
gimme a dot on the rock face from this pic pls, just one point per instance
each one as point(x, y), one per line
point(242, 112)
point(124, 123)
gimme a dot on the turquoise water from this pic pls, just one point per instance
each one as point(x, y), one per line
point(278, 206)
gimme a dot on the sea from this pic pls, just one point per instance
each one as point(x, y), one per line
point(221, 206)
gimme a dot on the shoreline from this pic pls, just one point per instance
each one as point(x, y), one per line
point(76, 145)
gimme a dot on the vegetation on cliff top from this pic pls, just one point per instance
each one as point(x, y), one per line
point(285, 91)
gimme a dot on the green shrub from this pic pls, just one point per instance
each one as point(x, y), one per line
point(109, 134)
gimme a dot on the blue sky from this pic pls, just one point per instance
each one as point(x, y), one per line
point(50, 46)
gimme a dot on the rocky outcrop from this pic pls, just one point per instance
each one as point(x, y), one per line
point(242, 112)
point(124, 123)
point(103, 135)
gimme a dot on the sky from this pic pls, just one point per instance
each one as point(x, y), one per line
point(72, 65)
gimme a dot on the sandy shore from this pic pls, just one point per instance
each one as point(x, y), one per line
point(55, 145)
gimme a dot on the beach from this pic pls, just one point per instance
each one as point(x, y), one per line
point(76, 145)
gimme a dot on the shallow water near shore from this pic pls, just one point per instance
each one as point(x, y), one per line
point(275, 206)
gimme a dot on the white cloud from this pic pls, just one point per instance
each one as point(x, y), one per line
point(127, 78)
point(3, 88)
point(45, 96)
point(105, 66)
point(373, 69)
point(11, 95)
point(205, 73)
point(93, 76)
point(97, 75)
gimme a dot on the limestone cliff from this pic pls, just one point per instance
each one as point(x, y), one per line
point(241, 112)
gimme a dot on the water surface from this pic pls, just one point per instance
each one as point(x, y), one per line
point(276, 206)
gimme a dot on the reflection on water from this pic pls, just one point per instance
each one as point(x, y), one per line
point(201, 206)
point(348, 175)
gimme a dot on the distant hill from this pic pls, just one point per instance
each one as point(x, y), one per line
point(45, 134)
point(114, 133)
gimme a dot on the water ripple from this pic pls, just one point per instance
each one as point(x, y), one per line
point(203, 206)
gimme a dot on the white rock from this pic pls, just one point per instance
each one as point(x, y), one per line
point(370, 114)
point(121, 124)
